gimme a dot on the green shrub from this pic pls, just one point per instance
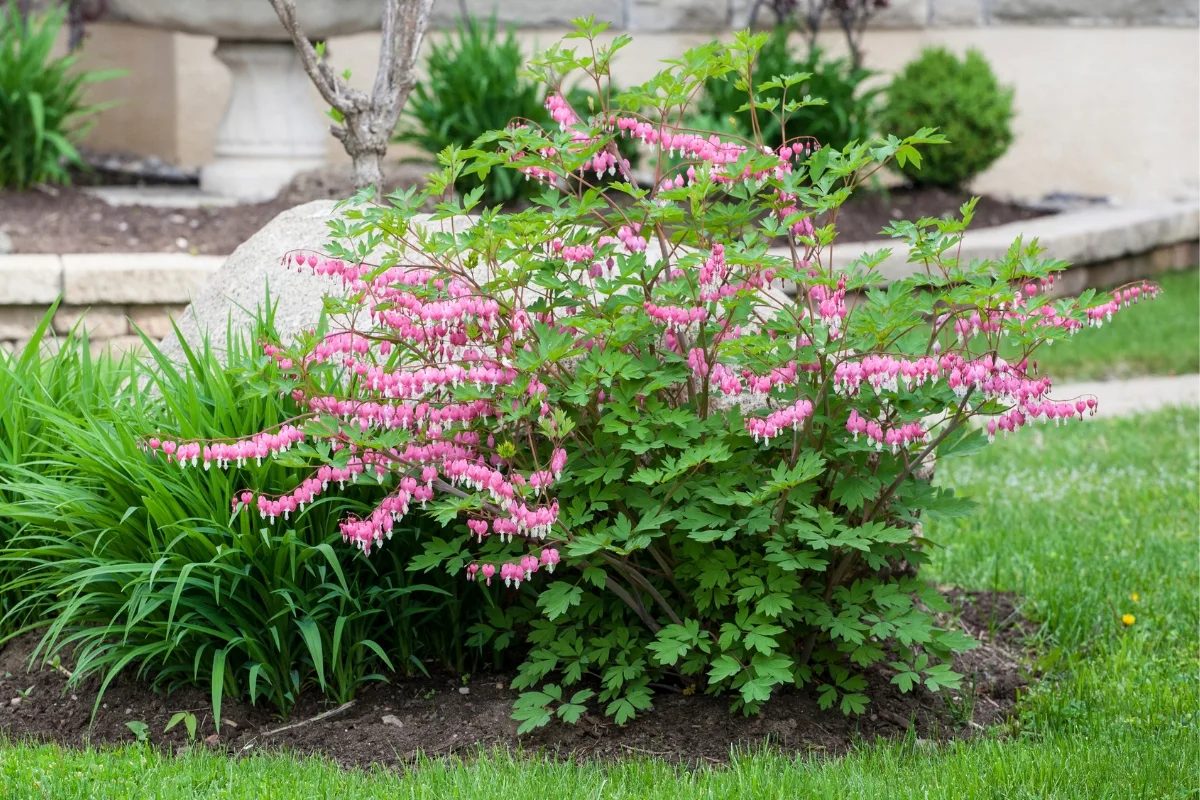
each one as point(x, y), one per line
point(966, 104)
point(473, 86)
point(42, 113)
point(129, 561)
point(844, 115)
point(685, 477)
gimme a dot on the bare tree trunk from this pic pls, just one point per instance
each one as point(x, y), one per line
point(366, 144)
point(368, 120)
point(367, 168)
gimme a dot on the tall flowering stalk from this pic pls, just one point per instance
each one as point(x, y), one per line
point(668, 392)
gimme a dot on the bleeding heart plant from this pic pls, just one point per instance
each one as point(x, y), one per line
point(669, 395)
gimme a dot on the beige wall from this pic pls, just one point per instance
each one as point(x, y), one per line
point(143, 117)
point(1100, 110)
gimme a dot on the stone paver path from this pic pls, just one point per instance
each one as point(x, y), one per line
point(1135, 395)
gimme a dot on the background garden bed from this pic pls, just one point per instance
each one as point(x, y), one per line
point(68, 219)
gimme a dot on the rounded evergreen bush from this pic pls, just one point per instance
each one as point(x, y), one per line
point(964, 101)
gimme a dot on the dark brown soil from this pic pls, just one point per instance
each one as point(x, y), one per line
point(867, 212)
point(66, 220)
point(441, 716)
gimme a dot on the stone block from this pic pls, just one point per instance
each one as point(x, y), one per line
point(18, 322)
point(117, 345)
point(1118, 271)
point(154, 321)
point(1192, 258)
point(27, 279)
point(680, 15)
point(100, 322)
point(1056, 12)
point(135, 278)
point(902, 14)
point(956, 13)
point(1090, 236)
point(529, 13)
point(1181, 255)
point(49, 347)
point(1070, 282)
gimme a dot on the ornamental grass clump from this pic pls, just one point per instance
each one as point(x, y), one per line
point(125, 563)
point(660, 465)
point(43, 110)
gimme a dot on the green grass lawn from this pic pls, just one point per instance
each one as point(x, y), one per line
point(1157, 338)
point(1077, 520)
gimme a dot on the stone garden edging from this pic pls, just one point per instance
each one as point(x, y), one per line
point(1106, 246)
point(118, 290)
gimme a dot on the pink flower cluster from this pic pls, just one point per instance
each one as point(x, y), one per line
point(415, 383)
point(304, 493)
point(893, 437)
point(803, 226)
point(1046, 410)
point(830, 305)
point(515, 572)
point(578, 254)
point(883, 372)
point(631, 237)
point(674, 315)
point(257, 447)
point(410, 416)
point(709, 149)
point(713, 274)
point(792, 416)
point(1121, 298)
point(602, 162)
point(991, 321)
point(452, 337)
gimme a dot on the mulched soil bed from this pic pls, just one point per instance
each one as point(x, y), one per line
point(867, 212)
point(66, 220)
point(438, 717)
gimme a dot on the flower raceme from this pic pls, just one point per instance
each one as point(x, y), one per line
point(441, 454)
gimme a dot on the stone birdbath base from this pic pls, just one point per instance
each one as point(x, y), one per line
point(271, 130)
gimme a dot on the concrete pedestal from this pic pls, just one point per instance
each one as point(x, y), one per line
point(271, 129)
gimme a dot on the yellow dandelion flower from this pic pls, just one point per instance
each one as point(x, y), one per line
point(1128, 619)
point(1135, 597)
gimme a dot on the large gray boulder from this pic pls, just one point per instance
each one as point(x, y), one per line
point(240, 287)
